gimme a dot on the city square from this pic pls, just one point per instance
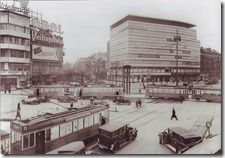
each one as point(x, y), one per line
point(134, 81)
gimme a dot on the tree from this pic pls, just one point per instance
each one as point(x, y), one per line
point(97, 68)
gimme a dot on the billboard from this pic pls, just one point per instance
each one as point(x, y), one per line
point(47, 53)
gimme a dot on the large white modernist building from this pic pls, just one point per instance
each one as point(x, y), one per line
point(150, 47)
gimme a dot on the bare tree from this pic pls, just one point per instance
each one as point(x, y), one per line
point(97, 68)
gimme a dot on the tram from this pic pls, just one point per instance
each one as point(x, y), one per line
point(53, 91)
point(207, 94)
point(49, 131)
point(100, 91)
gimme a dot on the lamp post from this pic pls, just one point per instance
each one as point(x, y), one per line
point(176, 39)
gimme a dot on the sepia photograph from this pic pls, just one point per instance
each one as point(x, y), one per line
point(111, 77)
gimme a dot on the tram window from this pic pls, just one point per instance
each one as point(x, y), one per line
point(62, 131)
point(15, 137)
point(55, 132)
point(68, 127)
point(31, 139)
point(91, 120)
point(86, 122)
point(25, 141)
point(74, 125)
point(48, 134)
point(80, 123)
point(96, 118)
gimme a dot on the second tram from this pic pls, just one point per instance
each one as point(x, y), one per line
point(207, 94)
point(44, 133)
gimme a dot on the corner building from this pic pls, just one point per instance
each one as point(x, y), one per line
point(145, 44)
point(15, 48)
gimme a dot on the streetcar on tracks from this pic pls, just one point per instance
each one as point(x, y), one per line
point(53, 91)
point(100, 91)
point(184, 93)
point(44, 133)
point(115, 135)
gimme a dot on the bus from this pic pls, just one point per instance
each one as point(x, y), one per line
point(44, 133)
point(100, 91)
point(198, 93)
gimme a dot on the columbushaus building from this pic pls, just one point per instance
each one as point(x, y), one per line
point(155, 49)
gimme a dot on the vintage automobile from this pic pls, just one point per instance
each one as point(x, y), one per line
point(67, 99)
point(31, 101)
point(179, 139)
point(35, 101)
point(119, 99)
point(77, 147)
point(115, 135)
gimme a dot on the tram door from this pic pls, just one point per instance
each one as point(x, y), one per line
point(40, 142)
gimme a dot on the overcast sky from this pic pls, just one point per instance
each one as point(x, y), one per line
point(86, 23)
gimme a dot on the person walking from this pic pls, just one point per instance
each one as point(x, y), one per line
point(18, 111)
point(174, 114)
point(92, 101)
point(71, 105)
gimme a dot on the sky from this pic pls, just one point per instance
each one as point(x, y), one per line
point(86, 23)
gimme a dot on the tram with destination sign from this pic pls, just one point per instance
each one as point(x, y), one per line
point(49, 131)
point(184, 93)
point(100, 91)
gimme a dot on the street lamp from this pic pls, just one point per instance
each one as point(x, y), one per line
point(176, 39)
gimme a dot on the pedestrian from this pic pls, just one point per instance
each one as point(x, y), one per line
point(140, 103)
point(18, 111)
point(102, 120)
point(117, 92)
point(174, 114)
point(80, 93)
point(38, 93)
point(137, 103)
point(71, 105)
point(92, 101)
point(139, 90)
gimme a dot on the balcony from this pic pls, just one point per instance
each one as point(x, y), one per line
point(15, 33)
point(14, 46)
point(14, 60)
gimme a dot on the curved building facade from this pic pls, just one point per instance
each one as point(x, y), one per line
point(149, 47)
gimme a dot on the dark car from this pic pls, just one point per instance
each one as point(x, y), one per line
point(67, 99)
point(43, 99)
point(115, 135)
point(121, 100)
point(31, 101)
point(179, 139)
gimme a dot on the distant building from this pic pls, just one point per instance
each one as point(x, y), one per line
point(210, 64)
point(15, 48)
point(148, 46)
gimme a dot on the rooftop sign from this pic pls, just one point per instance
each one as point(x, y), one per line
point(13, 8)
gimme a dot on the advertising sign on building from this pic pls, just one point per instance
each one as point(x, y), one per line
point(47, 53)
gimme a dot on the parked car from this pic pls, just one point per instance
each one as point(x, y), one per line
point(31, 101)
point(119, 99)
point(43, 99)
point(179, 139)
point(77, 147)
point(67, 99)
point(115, 135)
